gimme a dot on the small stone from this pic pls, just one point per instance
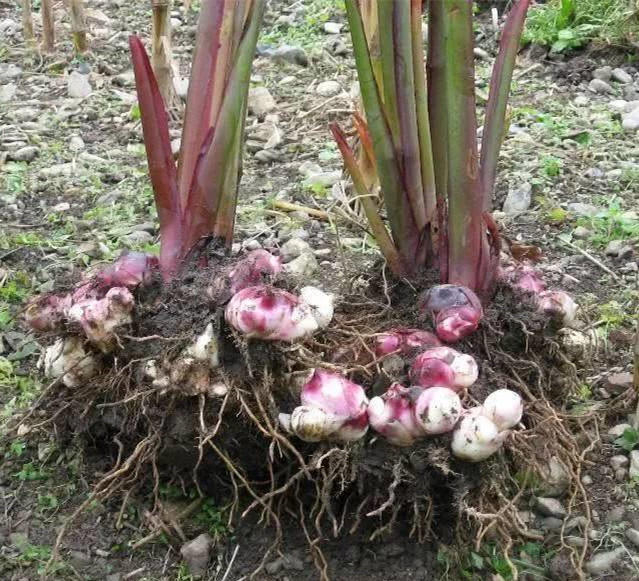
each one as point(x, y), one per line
point(581, 100)
point(289, 79)
point(114, 577)
point(80, 559)
point(291, 54)
point(275, 566)
point(309, 168)
point(621, 474)
point(614, 247)
point(8, 92)
point(328, 88)
point(181, 86)
point(549, 507)
point(630, 121)
point(139, 237)
point(268, 156)
point(76, 143)
point(603, 562)
point(251, 244)
point(480, 53)
point(594, 172)
point(294, 248)
point(602, 73)
point(293, 563)
point(629, 93)
point(555, 479)
point(620, 382)
point(518, 200)
point(28, 154)
point(176, 144)
point(586, 480)
point(617, 431)
point(619, 461)
point(633, 472)
point(323, 179)
point(260, 101)
point(11, 72)
point(333, 27)
point(302, 267)
point(621, 76)
point(78, 86)
point(61, 207)
point(584, 210)
point(581, 233)
point(616, 515)
point(196, 554)
point(299, 216)
point(618, 105)
point(551, 523)
point(600, 87)
point(633, 536)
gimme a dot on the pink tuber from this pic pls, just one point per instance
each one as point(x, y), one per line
point(333, 408)
point(558, 305)
point(443, 366)
point(250, 270)
point(47, 313)
point(129, 270)
point(456, 311)
point(393, 415)
point(100, 318)
point(404, 341)
point(273, 314)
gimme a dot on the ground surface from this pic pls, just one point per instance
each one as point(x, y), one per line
point(73, 193)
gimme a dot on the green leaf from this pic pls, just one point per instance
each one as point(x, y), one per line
point(477, 561)
point(629, 440)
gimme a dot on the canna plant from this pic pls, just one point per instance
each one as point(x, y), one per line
point(420, 136)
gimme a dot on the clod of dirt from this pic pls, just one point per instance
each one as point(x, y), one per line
point(196, 554)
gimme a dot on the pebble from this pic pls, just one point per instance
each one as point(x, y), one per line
point(291, 54)
point(480, 53)
point(268, 156)
point(251, 244)
point(555, 478)
point(581, 209)
point(549, 507)
point(139, 237)
point(309, 168)
point(518, 200)
point(197, 553)
point(621, 76)
point(613, 248)
point(594, 173)
point(28, 154)
point(602, 73)
point(61, 207)
point(78, 86)
point(303, 266)
point(633, 536)
point(581, 233)
point(586, 480)
point(551, 523)
point(598, 86)
point(333, 27)
point(581, 100)
point(620, 382)
point(293, 248)
point(633, 472)
point(616, 515)
point(260, 101)
point(76, 143)
point(617, 431)
point(328, 88)
point(323, 179)
point(630, 121)
point(10, 72)
point(8, 92)
point(619, 461)
point(603, 562)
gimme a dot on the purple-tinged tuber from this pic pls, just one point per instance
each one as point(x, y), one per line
point(558, 305)
point(47, 313)
point(438, 410)
point(445, 367)
point(456, 311)
point(393, 415)
point(68, 359)
point(522, 278)
point(273, 314)
point(333, 408)
point(129, 270)
point(99, 318)
point(404, 341)
point(253, 268)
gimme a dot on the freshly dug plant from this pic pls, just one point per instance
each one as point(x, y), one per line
point(455, 310)
point(393, 415)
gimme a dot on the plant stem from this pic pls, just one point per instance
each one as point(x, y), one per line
point(79, 27)
point(27, 23)
point(48, 26)
point(162, 50)
point(468, 250)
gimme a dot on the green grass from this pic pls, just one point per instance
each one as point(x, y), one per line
point(564, 25)
point(614, 223)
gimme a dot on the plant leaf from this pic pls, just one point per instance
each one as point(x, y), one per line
point(206, 84)
point(498, 99)
point(162, 168)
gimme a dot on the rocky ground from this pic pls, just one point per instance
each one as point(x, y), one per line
point(74, 192)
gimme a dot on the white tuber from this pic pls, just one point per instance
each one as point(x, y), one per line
point(68, 359)
point(476, 438)
point(504, 408)
point(438, 410)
